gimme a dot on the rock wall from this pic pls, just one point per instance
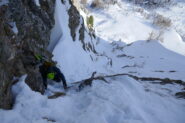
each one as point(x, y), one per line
point(24, 31)
point(74, 20)
point(25, 28)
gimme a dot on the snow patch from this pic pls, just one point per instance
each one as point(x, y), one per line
point(14, 28)
point(173, 41)
point(37, 2)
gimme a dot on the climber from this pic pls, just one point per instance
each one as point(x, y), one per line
point(48, 70)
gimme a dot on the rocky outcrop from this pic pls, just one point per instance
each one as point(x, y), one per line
point(76, 25)
point(151, 3)
point(24, 31)
point(74, 20)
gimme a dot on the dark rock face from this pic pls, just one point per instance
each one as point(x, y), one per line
point(74, 20)
point(17, 49)
point(82, 35)
point(76, 25)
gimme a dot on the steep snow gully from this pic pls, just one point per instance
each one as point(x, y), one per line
point(121, 99)
point(57, 32)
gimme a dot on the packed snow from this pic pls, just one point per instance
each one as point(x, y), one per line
point(123, 46)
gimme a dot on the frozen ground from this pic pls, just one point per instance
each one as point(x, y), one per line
point(122, 39)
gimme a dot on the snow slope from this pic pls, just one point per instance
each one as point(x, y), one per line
point(69, 54)
point(123, 100)
point(131, 25)
point(122, 41)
